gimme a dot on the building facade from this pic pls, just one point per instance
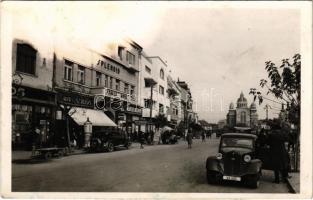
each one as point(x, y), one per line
point(242, 115)
point(33, 100)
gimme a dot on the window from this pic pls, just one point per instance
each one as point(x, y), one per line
point(243, 117)
point(161, 90)
point(130, 58)
point(132, 90)
point(68, 70)
point(161, 108)
point(237, 142)
point(120, 52)
point(111, 82)
point(81, 74)
point(106, 81)
point(98, 78)
point(117, 85)
point(148, 69)
point(26, 59)
point(126, 88)
point(162, 74)
point(146, 101)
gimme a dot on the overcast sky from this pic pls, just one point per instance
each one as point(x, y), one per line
point(218, 51)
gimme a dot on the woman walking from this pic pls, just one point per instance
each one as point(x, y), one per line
point(189, 139)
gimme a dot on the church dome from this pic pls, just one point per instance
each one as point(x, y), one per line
point(242, 101)
point(231, 106)
point(253, 106)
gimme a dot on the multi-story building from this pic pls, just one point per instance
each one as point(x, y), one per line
point(153, 91)
point(89, 81)
point(33, 101)
point(186, 103)
point(174, 92)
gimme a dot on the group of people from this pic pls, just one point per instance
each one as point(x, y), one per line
point(276, 139)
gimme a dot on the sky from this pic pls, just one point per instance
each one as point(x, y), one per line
point(219, 50)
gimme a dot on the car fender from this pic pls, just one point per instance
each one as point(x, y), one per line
point(213, 164)
point(254, 167)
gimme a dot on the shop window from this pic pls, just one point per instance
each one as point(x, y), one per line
point(162, 74)
point(68, 70)
point(98, 78)
point(130, 58)
point(26, 59)
point(81, 75)
point(161, 90)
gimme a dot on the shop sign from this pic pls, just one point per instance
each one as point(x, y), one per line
point(75, 100)
point(42, 122)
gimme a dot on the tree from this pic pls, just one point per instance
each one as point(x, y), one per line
point(160, 120)
point(285, 84)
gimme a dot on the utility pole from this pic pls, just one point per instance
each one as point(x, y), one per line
point(266, 108)
point(151, 104)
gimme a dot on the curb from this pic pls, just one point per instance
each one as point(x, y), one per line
point(290, 187)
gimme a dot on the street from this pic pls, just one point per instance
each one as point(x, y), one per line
point(157, 168)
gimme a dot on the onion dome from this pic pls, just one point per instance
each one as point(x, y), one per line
point(231, 106)
point(242, 101)
point(253, 106)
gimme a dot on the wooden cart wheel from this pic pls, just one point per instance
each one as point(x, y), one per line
point(48, 155)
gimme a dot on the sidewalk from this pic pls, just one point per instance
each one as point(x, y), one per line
point(293, 183)
point(25, 155)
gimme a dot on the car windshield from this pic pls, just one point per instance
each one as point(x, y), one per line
point(237, 142)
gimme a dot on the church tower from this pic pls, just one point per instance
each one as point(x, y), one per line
point(253, 115)
point(231, 116)
point(242, 111)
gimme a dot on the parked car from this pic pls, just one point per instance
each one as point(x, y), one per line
point(168, 137)
point(108, 140)
point(235, 161)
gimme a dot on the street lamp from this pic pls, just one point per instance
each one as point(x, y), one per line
point(88, 132)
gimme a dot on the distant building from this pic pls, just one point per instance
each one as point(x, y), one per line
point(242, 115)
point(221, 123)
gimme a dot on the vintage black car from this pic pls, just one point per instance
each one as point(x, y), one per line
point(235, 161)
point(109, 139)
point(169, 137)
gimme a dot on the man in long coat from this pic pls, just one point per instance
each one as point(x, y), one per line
point(278, 153)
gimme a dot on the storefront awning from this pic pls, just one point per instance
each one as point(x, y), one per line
point(96, 117)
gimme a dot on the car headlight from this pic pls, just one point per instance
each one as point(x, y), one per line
point(247, 158)
point(219, 156)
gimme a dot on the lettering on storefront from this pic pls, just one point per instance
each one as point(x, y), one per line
point(76, 100)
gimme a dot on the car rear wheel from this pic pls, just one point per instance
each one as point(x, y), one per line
point(110, 147)
point(48, 155)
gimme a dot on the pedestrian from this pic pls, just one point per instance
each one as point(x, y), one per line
point(209, 134)
point(203, 136)
point(189, 139)
point(278, 153)
point(141, 139)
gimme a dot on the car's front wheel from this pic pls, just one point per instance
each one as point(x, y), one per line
point(110, 147)
point(254, 181)
point(212, 177)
